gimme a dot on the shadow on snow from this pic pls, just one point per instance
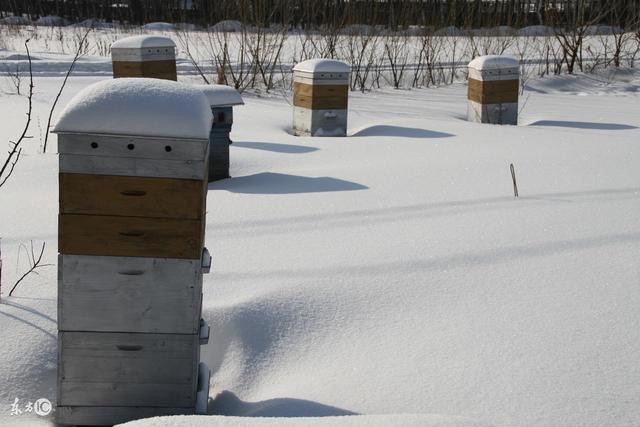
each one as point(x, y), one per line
point(278, 183)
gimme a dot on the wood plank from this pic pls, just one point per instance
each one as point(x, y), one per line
point(111, 415)
point(130, 236)
point(320, 90)
point(334, 102)
point(132, 146)
point(493, 92)
point(159, 69)
point(126, 166)
point(129, 294)
point(132, 196)
point(118, 369)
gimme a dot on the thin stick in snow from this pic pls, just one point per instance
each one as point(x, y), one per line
point(513, 177)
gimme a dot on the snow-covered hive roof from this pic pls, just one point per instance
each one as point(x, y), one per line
point(322, 66)
point(494, 62)
point(142, 42)
point(138, 107)
point(221, 95)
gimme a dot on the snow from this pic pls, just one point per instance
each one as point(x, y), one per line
point(536, 30)
point(50, 21)
point(227, 25)
point(141, 107)
point(322, 66)
point(141, 42)
point(388, 273)
point(400, 420)
point(221, 95)
point(493, 62)
point(159, 26)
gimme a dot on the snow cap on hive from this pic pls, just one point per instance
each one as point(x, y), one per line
point(138, 107)
point(221, 95)
point(142, 42)
point(322, 66)
point(494, 62)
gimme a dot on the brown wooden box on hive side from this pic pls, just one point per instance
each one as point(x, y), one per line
point(130, 236)
point(163, 69)
point(132, 196)
point(493, 91)
point(320, 97)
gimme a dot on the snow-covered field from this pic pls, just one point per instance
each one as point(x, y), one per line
point(392, 273)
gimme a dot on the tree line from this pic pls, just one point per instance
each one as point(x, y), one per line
point(311, 14)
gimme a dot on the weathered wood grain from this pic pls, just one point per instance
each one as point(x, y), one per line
point(130, 236)
point(119, 369)
point(132, 196)
point(129, 294)
point(493, 92)
point(132, 146)
point(162, 69)
point(110, 415)
point(335, 102)
point(321, 90)
point(127, 166)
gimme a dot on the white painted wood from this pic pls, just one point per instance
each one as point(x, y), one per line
point(494, 74)
point(315, 122)
point(128, 166)
point(501, 114)
point(206, 261)
point(205, 330)
point(110, 415)
point(129, 294)
point(337, 79)
point(143, 147)
point(164, 53)
point(119, 369)
point(202, 396)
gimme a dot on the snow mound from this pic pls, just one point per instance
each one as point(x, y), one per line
point(450, 31)
point(344, 421)
point(492, 62)
point(536, 30)
point(603, 30)
point(228, 25)
point(141, 42)
point(15, 20)
point(221, 95)
point(322, 66)
point(51, 21)
point(142, 107)
point(159, 26)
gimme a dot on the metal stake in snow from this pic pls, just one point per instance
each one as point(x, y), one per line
point(513, 177)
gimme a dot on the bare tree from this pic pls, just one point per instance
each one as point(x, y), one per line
point(13, 156)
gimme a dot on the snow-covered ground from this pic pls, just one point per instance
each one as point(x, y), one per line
point(390, 272)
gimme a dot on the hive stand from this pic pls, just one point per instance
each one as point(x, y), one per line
point(222, 99)
point(144, 56)
point(320, 97)
point(131, 234)
point(493, 90)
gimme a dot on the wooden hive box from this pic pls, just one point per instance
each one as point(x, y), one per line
point(493, 90)
point(320, 97)
point(222, 99)
point(131, 242)
point(144, 56)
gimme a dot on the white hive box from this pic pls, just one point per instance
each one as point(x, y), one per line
point(144, 56)
point(320, 97)
point(493, 90)
point(133, 182)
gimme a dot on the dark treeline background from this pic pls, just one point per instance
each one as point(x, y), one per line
point(309, 14)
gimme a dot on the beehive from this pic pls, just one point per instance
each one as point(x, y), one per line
point(133, 181)
point(144, 56)
point(222, 99)
point(320, 97)
point(493, 90)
